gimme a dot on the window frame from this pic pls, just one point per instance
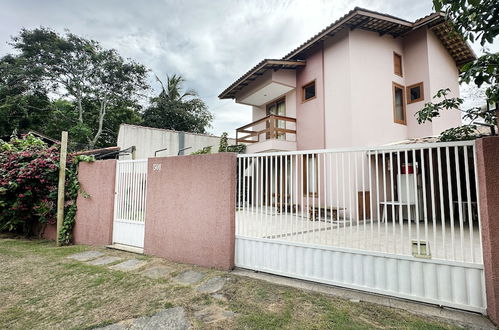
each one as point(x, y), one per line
point(397, 55)
point(395, 120)
point(421, 94)
point(303, 100)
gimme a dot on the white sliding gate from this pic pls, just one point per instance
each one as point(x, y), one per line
point(130, 202)
point(398, 220)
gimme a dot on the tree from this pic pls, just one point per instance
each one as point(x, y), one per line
point(176, 109)
point(97, 80)
point(21, 107)
point(475, 20)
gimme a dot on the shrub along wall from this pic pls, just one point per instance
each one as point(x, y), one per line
point(28, 187)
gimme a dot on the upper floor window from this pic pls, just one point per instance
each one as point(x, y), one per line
point(308, 91)
point(415, 93)
point(399, 115)
point(397, 64)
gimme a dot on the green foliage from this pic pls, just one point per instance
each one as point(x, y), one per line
point(461, 133)
point(177, 110)
point(98, 86)
point(476, 21)
point(203, 151)
point(28, 186)
point(224, 142)
point(225, 147)
point(239, 148)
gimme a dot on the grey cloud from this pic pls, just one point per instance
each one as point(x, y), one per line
point(211, 43)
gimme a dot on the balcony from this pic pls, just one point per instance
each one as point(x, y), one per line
point(271, 133)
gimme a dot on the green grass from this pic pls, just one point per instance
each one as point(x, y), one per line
point(40, 288)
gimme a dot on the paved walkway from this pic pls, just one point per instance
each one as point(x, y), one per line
point(170, 318)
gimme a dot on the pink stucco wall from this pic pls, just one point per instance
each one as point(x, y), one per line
point(416, 68)
point(443, 74)
point(191, 209)
point(310, 114)
point(354, 72)
point(488, 178)
point(94, 218)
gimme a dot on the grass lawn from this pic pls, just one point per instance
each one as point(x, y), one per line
point(40, 288)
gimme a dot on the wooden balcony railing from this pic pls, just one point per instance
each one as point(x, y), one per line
point(275, 128)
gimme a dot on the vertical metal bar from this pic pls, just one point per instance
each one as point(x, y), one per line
point(338, 204)
point(477, 187)
point(416, 197)
point(385, 211)
point(343, 199)
point(459, 201)
point(371, 197)
point(331, 178)
point(425, 204)
point(355, 196)
point(302, 191)
point(350, 192)
point(318, 194)
point(377, 193)
point(400, 203)
point(451, 209)
point(441, 193)
point(432, 191)
point(363, 197)
point(409, 221)
point(239, 196)
point(392, 184)
point(468, 202)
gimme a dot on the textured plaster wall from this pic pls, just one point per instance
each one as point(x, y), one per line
point(488, 179)
point(94, 218)
point(191, 209)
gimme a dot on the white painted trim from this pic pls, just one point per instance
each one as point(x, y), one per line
point(358, 149)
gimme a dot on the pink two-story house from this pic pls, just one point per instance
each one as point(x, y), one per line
point(358, 82)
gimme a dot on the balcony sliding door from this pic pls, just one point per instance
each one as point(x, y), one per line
point(277, 108)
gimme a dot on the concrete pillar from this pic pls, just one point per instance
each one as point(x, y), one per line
point(488, 178)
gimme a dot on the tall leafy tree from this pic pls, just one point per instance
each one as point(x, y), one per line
point(177, 109)
point(21, 106)
point(96, 80)
point(475, 20)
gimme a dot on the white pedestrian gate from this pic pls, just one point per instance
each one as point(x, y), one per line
point(130, 202)
point(396, 220)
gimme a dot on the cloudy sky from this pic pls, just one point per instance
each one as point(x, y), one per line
point(211, 43)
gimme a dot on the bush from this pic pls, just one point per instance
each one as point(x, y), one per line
point(29, 172)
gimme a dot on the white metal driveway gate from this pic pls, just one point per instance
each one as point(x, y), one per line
point(130, 202)
point(397, 220)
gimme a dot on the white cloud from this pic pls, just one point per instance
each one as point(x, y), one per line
point(211, 43)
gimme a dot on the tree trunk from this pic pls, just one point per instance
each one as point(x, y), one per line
point(102, 114)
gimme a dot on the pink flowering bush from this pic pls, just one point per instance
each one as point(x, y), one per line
point(29, 172)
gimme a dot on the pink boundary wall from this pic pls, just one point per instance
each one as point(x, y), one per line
point(488, 178)
point(191, 209)
point(94, 218)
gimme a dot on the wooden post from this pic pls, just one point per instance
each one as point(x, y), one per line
point(62, 180)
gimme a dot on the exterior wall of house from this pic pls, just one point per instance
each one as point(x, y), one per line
point(443, 74)
point(310, 114)
point(337, 87)
point(372, 75)
point(415, 63)
point(354, 73)
point(147, 140)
